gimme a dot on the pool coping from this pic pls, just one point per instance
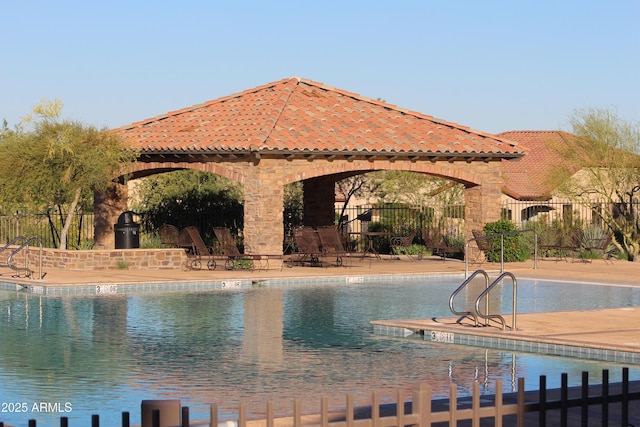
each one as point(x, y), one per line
point(122, 287)
point(588, 342)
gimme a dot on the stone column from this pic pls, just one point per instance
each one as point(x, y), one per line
point(319, 200)
point(263, 207)
point(107, 207)
point(483, 202)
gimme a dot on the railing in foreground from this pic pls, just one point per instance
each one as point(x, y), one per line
point(608, 403)
point(501, 236)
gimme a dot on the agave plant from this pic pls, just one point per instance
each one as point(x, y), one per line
point(592, 238)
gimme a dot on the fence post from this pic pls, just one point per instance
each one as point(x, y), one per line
point(605, 397)
point(625, 396)
point(585, 399)
point(453, 405)
point(542, 400)
point(422, 404)
point(564, 397)
point(185, 416)
point(213, 415)
point(169, 409)
point(521, 399)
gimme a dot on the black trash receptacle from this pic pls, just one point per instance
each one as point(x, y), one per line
point(127, 231)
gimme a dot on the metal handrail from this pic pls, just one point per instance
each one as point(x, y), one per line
point(26, 268)
point(12, 242)
point(460, 288)
point(485, 293)
point(501, 235)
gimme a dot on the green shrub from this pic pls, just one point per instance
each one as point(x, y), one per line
point(516, 246)
point(150, 241)
point(414, 249)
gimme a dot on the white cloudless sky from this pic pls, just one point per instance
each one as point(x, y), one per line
point(491, 65)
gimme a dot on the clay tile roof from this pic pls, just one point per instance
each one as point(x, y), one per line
point(527, 178)
point(301, 116)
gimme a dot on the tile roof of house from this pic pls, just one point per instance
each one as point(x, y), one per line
point(295, 115)
point(528, 178)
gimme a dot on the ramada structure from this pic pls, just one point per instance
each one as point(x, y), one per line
point(300, 130)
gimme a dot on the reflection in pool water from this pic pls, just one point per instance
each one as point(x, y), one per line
point(102, 355)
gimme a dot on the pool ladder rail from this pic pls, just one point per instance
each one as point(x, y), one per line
point(22, 247)
point(477, 313)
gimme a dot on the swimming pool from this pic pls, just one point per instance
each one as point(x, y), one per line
point(104, 354)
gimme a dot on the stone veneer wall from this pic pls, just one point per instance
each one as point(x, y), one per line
point(117, 259)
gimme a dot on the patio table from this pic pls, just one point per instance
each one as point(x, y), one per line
point(368, 237)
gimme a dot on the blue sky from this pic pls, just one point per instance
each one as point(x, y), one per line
point(491, 65)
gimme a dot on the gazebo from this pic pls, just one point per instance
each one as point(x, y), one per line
point(300, 130)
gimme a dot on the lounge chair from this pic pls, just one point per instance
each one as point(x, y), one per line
point(227, 246)
point(307, 246)
point(398, 242)
point(331, 243)
point(169, 235)
point(435, 241)
point(198, 252)
point(224, 238)
point(238, 260)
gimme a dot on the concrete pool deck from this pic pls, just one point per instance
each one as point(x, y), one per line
point(595, 332)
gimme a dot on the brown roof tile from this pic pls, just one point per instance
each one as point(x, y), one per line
point(299, 115)
point(528, 178)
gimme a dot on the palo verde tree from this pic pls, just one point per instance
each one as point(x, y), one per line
point(607, 148)
point(48, 162)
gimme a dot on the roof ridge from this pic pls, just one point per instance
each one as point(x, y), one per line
point(535, 131)
point(277, 111)
point(204, 104)
point(406, 111)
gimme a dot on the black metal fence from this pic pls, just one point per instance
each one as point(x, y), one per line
point(566, 213)
point(47, 227)
point(393, 218)
point(399, 219)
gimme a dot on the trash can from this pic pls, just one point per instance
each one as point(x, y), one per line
point(127, 231)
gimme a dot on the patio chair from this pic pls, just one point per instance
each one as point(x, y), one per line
point(601, 245)
point(571, 243)
point(198, 252)
point(549, 240)
point(307, 246)
point(239, 260)
point(169, 235)
point(435, 241)
point(560, 244)
point(485, 245)
point(331, 243)
point(398, 242)
point(227, 247)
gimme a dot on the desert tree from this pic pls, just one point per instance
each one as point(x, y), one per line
point(607, 148)
point(48, 162)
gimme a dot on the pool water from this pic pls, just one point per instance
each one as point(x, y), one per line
point(102, 355)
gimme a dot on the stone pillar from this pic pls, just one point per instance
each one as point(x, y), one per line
point(483, 202)
point(107, 207)
point(319, 199)
point(263, 207)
